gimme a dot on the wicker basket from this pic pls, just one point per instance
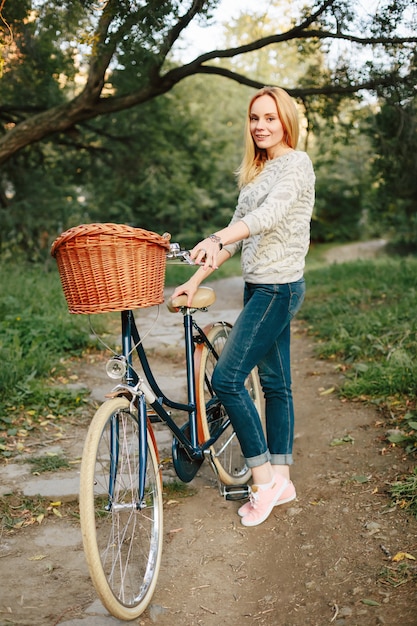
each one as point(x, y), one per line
point(110, 267)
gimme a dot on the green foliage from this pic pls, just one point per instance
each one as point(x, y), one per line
point(41, 54)
point(32, 405)
point(48, 463)
point(165, 167)
point(404, 492)
point(394, 135)
point(36, 332)
point(363, 314)
point(341, 155)
point(17, 511)
point(338, 209)
point(406, 435)
point(150, 149)
point(177, 489)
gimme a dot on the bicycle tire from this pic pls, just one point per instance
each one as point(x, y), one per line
point(226, 453)
point(122, 544)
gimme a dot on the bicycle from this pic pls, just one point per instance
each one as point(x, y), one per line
point(121, 502)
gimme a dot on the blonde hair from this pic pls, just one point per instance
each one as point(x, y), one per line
point(254, 158)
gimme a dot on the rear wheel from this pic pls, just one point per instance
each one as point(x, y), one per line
point(122, 537)
point(226, 451)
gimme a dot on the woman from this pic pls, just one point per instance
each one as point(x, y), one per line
point(271, 225)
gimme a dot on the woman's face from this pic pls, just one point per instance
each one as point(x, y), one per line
point(265, 126)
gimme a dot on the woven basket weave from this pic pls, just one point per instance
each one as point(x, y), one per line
point(110, 267)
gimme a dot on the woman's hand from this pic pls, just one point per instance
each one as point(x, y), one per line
point(205, 253)
point(209, 252)
point(189, 289)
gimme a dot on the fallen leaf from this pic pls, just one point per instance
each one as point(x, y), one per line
point(37, 557)
point(327, 392)
point(400, 556)
point(361, 479)
point(370, 602)
point(342, 440)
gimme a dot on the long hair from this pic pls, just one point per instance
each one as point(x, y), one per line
point(254, 158)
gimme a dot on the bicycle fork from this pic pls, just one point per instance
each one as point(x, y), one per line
point(139, 394)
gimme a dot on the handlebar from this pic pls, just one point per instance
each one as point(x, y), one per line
point(183, 256)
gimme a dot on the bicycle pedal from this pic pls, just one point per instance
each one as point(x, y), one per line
point(235, 492)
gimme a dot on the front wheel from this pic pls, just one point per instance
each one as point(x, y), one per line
point(122, 537)
point(226, 453)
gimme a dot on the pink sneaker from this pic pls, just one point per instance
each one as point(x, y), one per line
point(287, 495)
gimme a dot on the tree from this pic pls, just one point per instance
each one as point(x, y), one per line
point(393, 131)
point(67, 58)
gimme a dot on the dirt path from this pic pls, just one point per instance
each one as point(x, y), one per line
point(324, 559)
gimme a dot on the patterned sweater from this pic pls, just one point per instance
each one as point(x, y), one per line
point(276, 207)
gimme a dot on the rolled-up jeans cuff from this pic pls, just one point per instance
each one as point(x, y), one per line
point(255, 461)
point(281, 459)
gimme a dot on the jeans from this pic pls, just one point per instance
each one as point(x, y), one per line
point(261, 337)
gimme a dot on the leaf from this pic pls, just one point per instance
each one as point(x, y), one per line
point(370, 602)
point(361, 479)
point(327, 392)
point(401, 556)
point(396, 438)
point(361, 367)
point(413, 425)
point(37, 557)
point(343, 440)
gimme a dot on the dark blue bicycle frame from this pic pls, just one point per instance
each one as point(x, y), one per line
point(130, 335)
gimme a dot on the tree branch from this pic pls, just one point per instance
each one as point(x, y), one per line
point(173, 34)
point(294, 33)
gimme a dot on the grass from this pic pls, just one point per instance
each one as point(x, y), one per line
point(176, 489)
point(48, 463)
point(37, 334)
point(404, 492)
point(363, 316)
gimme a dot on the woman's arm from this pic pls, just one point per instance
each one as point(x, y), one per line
point(208, 251)
point(211, 254)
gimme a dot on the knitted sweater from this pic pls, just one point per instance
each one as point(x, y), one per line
point(276, 207)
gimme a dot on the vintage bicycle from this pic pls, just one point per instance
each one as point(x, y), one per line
point(113, 267)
